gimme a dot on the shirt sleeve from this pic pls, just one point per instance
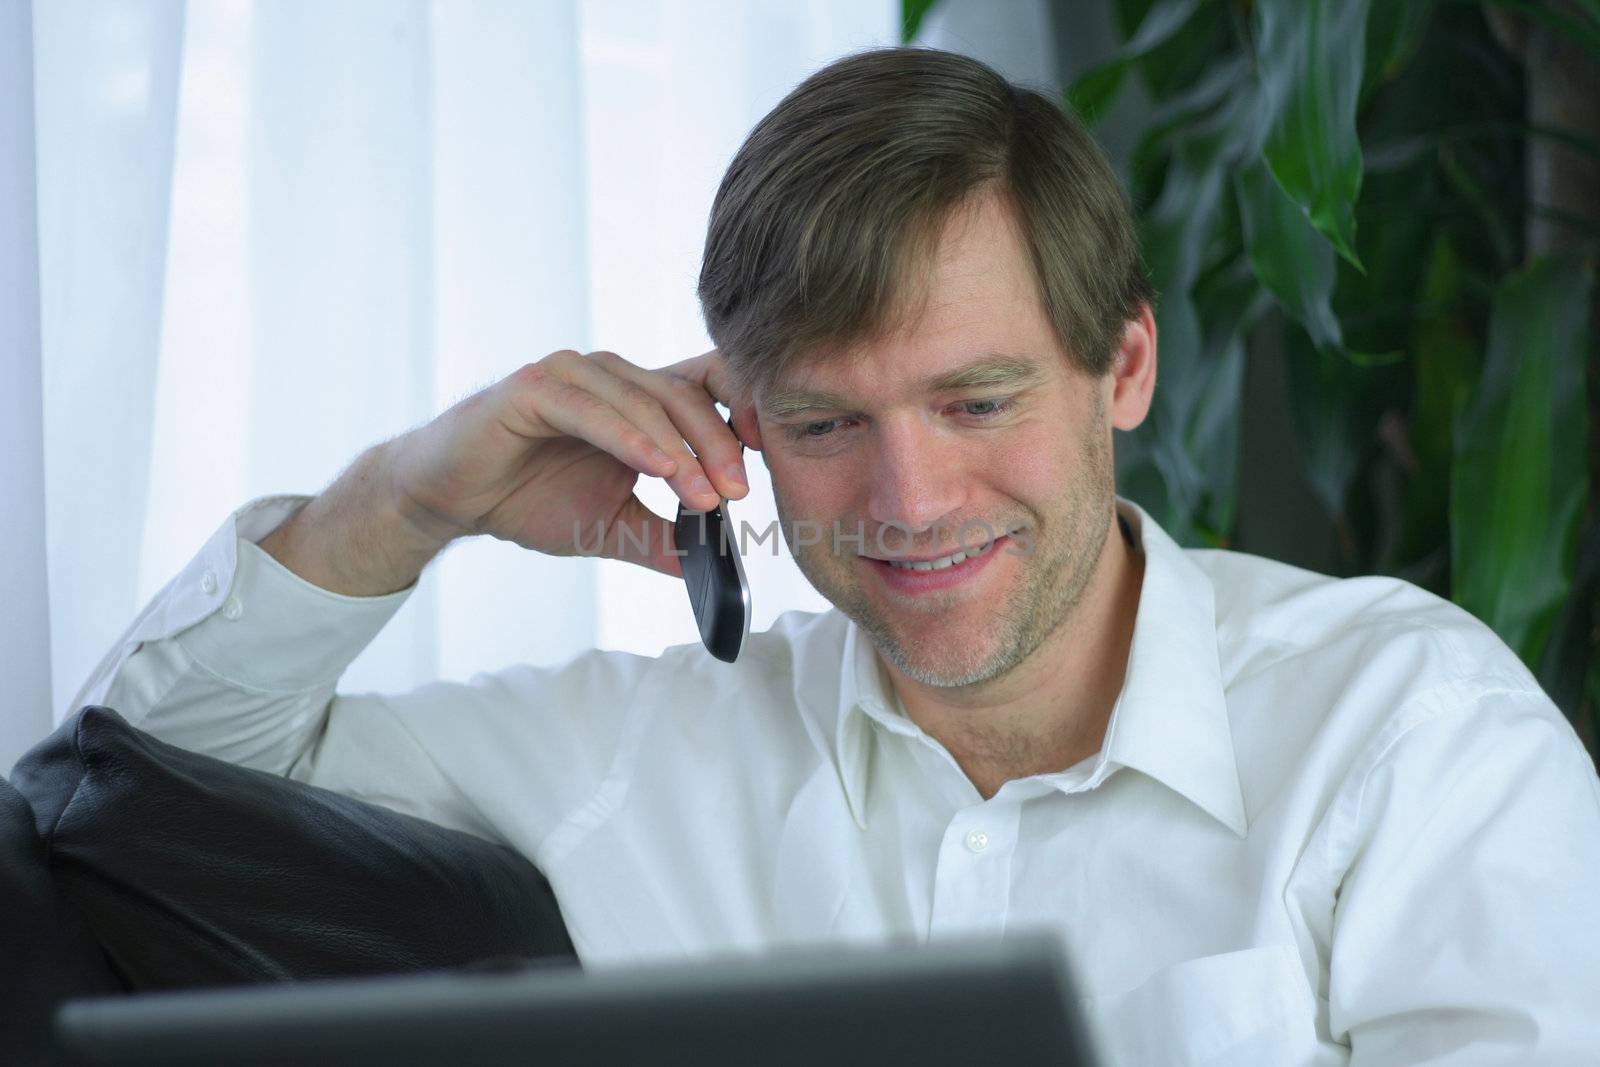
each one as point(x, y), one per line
point(239, 658)
point(1466, 929)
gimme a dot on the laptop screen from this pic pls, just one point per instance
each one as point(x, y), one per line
point(958, 1002)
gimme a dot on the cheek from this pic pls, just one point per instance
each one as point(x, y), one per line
point(1031, 466)
point(812, 490)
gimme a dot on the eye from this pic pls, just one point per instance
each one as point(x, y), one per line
point(987, 408)
point(813, 430)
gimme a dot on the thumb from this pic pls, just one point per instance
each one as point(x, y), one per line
point(638, 535)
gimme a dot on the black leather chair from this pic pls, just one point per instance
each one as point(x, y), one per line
point(131, 865)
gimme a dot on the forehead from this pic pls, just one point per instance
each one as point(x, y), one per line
point(982, 307)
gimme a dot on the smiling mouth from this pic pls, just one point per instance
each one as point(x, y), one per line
point(943, 562)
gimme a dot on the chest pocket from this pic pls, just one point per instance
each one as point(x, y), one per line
point(1249, 1007)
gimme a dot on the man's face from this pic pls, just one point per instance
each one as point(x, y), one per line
point(906, 461)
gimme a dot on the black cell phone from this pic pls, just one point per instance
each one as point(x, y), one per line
point(714, 576)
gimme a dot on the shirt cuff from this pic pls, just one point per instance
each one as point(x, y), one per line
point(259, 625)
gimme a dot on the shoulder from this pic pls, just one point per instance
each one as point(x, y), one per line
point(1274, 616)
point(1337, 671)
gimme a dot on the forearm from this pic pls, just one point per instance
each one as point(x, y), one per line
point(166, 692)
point(354, 539)
point(237, 656)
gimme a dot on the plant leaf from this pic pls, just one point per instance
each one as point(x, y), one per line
point(1576, 29)
point(1091, 93)
point(1336, 404)
point(1569, 654)
point(1183, 57)
point(1191, 437)
point(1175, 230)
point(1518, 483)
point(1228, 301)
point(1175, 117)
point(1446, 369)
point(1293, 263)
point(912, 12)
point(1394, 32)
point(1310, 54)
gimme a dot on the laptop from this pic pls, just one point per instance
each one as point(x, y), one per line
point(1008, 1000)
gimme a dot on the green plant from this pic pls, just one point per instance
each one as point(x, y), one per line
point(1376, 191)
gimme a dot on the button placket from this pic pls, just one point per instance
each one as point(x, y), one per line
point(972, 881)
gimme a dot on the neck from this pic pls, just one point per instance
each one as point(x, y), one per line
point(1051, 710)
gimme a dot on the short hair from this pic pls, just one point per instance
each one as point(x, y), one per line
point(822, 235)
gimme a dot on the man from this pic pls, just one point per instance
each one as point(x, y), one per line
point(1276, 817)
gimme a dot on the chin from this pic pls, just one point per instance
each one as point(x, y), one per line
point(947, 661)
point(947, 675)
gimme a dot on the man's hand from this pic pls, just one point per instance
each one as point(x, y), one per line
point(559, 444)
point(546, 458)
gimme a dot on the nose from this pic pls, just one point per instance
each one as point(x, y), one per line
point(916, 479)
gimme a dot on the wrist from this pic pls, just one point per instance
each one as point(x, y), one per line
point(354, 539)
point(418, 527)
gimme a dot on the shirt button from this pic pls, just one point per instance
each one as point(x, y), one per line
point(232, 609)
point(977, 841)
point(208, 582)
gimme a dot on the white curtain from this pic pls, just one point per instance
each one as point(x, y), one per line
point(273, 233)
point(25, 639)
point(104, 81)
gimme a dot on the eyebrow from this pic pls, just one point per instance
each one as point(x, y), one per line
point(986, 372)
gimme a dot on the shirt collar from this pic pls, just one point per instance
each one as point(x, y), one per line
point(1170, 721)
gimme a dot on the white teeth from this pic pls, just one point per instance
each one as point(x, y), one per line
point(941, 563)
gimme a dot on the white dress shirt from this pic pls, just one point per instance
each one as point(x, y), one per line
point(1332, 821)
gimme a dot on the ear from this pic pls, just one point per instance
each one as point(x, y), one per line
point(745, 424)
point(1132, 376)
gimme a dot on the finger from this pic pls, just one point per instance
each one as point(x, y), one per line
point(692, 409)
point(692, 416)
point(717, 447)
point(638, 535)
point(578, 413)
point(713, 374)
point(622, 386)
point(708, 370)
